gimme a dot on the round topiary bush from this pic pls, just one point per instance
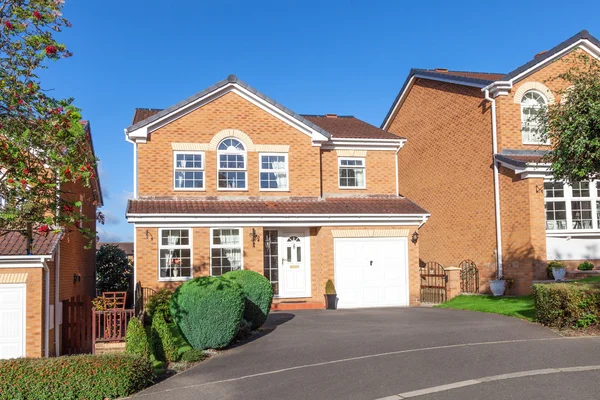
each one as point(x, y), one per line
point(585, 266)
point(259, 295)
point(208, 311)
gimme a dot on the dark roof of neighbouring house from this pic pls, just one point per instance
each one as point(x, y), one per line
point(230, 79)
point(349, 127)
point(15, 244)
point(127, 247)
point(521, 158)
point(483, 79)
point(303, 205)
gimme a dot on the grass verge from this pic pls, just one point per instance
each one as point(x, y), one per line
point(517, 306)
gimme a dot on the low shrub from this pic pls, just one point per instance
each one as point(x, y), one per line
point(563, 305)
point(329, 287)
point(158, 303)
point(193, 355)
point(208, 311)
point(74, 377)
point(136, 340)
point(553, 264)
point(258, 293)
point(163, 343)
point(585, 266)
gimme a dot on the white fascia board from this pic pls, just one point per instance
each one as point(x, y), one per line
point(449, 80)
point(142, 133)
point(531, 170)
point(364, 144)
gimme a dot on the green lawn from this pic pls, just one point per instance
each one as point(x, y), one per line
point(180, 342)
point(591, 279)
point(518, 306)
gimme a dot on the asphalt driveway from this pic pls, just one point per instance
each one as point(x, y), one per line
point(378, 353)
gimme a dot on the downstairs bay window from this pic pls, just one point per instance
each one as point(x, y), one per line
point(572, 208)
point(225, 250)
point(175, 254)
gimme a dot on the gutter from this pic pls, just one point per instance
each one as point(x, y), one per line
point(56, 301)
point(396, 159)
point(47, 310)
point(496, 184)
point(135, 195)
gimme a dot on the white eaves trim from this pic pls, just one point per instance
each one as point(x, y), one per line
point(24, 261)
point(364, 144)
point(141, 134)
point(270, 220)
point(530, 170)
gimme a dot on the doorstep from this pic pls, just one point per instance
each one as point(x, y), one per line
point(297, 305)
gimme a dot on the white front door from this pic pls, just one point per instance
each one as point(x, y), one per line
point(12, 320)
point(371, 272)
point(294, 269)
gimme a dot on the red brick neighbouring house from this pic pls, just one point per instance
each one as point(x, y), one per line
point(473, 160)
point(230, 179)
point(33, 287)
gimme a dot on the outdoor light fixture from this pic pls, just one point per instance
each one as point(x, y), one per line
point(76, 278)
point(255, 237)
point(415, 236)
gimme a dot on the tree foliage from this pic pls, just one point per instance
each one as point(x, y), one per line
point(113, 269)
point(573, 123)
point(45, 151)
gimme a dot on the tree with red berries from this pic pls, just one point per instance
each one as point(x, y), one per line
point(45, 151)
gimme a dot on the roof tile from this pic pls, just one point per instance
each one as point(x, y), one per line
point(14, 244)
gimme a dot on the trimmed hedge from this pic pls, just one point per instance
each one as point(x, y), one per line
point(208, 311)
point(193, 355)
point(136, 340)
point(258, 293)
point(158, 303)
point(88, 377)
point(163, 343)
point(585, 266)
point(562, 305)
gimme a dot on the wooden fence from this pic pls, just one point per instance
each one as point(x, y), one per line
point(110, 325)
point(76, 327)
point(141, 298)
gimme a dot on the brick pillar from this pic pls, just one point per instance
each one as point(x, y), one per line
point(453, 283)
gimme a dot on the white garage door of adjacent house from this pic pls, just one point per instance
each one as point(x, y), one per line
point(371, 272)
point(12, 321)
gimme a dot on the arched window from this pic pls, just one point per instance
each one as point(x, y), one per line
point(232, 174)
point(531, 104)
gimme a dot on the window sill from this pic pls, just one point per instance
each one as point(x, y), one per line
point(352, 188)
point(572, 232)
point(274, 190)
point(535, 144)
point(189, 190)
point(180, 279)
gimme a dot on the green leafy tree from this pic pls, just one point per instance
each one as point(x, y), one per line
point(573, 123)
point(113, 269)
point(45, 151)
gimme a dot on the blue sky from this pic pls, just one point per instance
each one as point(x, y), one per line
point(315, 57)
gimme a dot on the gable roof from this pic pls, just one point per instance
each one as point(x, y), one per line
point(231, 79)
point(349, 127)
point(15, 244)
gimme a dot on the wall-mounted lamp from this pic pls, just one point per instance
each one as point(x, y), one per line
point(255, 237)
point(76, 278)
point(415, 237)
point(148, 234)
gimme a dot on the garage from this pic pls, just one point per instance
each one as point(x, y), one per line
point(371, 272)
point(12, 320)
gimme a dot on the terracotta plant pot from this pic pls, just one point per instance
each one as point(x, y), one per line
point(330, 301)
point(498, 286)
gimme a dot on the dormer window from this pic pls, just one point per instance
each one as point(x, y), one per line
point(532, 103)
point(232, 169)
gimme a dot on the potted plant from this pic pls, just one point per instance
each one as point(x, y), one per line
point(330, 296)
point(498, 286)
point(558, 270)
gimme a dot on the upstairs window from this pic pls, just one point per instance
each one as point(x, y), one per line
point(189, 170)
point(274, 172)
point(352, 173)
point(531, 105)
point(231, 169)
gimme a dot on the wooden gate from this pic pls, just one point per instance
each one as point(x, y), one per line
point(469, 277)
point(433, 283)
point(77, 325)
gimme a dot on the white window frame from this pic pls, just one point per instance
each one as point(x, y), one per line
point(593, 198)
point(176, 169)
point(287, 172)
point(222, 246)
point(167, 247)
point(523, 121)
point(364, 167)
point(243, 153)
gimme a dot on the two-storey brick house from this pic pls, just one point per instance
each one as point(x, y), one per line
point(473, 158)
point(34, 286)
point(230, 179)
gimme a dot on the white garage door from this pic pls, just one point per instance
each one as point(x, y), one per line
point(12, 321)
point(371, 272)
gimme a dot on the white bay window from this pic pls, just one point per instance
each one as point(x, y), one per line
point(175, 254)
point(225, 250)
point(572, 208)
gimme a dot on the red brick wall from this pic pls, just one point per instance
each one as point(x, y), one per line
point(446, 167)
